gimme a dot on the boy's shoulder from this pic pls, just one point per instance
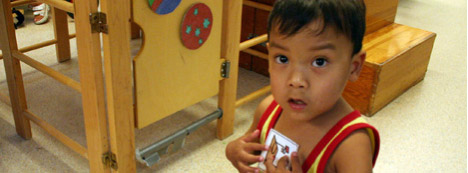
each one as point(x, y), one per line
point(356, 145)
point(263, 106)
point(259, 112)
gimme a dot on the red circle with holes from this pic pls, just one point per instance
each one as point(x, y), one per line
point(196, 26)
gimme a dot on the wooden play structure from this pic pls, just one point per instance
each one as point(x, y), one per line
point(163, 69)
point(173, 70)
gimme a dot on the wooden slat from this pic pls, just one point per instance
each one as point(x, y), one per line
point(258, 5)
point(62, 48)
point(60, 4)
point(254, 95)
point(117, 61)
point(256, 53)
point(252, 42)
point(92, 85)
point(232, 18)
point(21, 2)
point(13, 70)
point(57, 134)
point(48, 71)
point(40, 45)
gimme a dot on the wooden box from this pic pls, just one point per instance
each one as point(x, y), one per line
point(379, 14)
point(397, 59)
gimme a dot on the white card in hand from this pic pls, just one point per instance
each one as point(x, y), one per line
point(280, 146)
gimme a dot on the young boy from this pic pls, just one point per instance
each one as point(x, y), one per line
point(314, 49)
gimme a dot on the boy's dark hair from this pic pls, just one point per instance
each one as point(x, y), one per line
point(347, 16)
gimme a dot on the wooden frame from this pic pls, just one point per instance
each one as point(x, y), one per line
point(112, 132)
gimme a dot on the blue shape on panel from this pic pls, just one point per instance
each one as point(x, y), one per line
point(168, 6)
point(197, 32)
point(206, 23)
point(188, 30)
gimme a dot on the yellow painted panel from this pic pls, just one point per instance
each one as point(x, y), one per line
point(168, 76)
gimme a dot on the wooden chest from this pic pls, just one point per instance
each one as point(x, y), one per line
point(397, 59)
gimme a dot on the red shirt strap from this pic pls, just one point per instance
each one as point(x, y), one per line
point(274, 119)
point(326, 139)
point(342, 136)
point(266, 114)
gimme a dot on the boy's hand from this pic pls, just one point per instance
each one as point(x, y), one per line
point(240, 152)
point(282, 164)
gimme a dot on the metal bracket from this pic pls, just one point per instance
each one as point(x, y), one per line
point(109, 160)
point(152, 153)
point(98, 22)
point(225, 68)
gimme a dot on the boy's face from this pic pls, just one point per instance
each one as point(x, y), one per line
point(308, 72)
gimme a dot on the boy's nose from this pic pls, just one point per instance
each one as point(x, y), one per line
point(297, 80)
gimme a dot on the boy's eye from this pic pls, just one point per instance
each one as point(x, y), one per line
point(319, 62)
point(281, 59)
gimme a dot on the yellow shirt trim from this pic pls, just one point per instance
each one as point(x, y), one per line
point(265, 125)
point(314, 166)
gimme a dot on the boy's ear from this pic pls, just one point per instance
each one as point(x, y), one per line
point(357, 63)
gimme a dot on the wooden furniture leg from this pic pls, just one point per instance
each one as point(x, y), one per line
point(62, 47)
point(92, 85)
point(13, 71)
point(232, 18)
point(118, 62)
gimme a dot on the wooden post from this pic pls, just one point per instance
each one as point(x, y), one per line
point(92, 85)
point(232, 17)
point(118, 72)
point(62, 47)
point(13, 70)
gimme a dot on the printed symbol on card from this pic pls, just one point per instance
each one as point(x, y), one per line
point(280, 146)
point(285, 150)
point(273, 149)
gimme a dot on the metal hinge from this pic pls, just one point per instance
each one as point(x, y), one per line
point(98, 22)
point(225, 67)
point(109, 160)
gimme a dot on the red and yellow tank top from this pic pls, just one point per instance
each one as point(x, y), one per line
point(318, 157)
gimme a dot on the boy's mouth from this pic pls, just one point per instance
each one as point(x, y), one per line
point(297, 104)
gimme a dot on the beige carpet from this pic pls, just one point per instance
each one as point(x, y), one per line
point(424, 130)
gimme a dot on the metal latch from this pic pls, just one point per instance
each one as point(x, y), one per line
point(225, 68)
point(109, 160)
point(98, 22)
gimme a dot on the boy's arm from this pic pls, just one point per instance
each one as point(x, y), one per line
point(354, 154)
point(261, 108)
point(241, 151)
